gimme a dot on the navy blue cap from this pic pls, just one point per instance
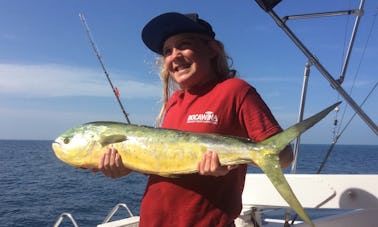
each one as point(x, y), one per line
point(166, 25)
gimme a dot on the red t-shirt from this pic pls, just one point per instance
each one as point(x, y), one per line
point(231, 107)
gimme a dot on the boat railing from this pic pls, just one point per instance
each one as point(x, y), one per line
point(114, 211)
point(132, 221)
point(268, 6)
point(65, 215)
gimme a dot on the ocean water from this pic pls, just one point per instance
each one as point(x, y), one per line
point(35, 187)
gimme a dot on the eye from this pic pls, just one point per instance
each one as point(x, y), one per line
point(167, 52)
point(66, 140)
point(181, 45)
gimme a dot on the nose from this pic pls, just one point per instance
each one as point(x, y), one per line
point(176, 52)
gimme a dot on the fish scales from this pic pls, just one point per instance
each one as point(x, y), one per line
point(171, 152)
point(167, 152)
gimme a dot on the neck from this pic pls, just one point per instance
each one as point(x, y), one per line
point(203, 87)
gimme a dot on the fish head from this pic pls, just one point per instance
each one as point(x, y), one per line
point(76, 146)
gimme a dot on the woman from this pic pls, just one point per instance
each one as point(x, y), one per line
point(209, 99)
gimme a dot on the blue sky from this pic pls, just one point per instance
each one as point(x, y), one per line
point(50, 79)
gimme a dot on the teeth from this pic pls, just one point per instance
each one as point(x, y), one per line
point(181, 67)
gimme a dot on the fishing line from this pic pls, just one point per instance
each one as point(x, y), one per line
point(337, 129)
point(330, 149)
point(115, 90)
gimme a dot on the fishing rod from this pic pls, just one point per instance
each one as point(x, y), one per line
point(115, 90)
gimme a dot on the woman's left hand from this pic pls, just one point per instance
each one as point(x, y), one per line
point(210, 165)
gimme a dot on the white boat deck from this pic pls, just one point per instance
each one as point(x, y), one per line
point(356, 195)
point(343, 191)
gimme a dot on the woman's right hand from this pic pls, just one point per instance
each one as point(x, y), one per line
point(210, 165)
point(111, 164)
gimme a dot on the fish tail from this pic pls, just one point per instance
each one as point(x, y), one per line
point(269, 161)
point(279, 141)
point(271, 167)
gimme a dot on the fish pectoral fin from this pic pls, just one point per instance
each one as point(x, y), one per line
point(112, 139)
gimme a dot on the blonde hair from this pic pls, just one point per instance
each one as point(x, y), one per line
point(221, 64)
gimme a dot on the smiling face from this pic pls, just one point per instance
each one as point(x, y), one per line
point(187, 58)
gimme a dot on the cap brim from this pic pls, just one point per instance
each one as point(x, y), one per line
point(166, 25)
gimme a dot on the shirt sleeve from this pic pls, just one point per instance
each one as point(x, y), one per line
point(256, 117)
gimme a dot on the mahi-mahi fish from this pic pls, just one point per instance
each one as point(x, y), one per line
point(168, 152)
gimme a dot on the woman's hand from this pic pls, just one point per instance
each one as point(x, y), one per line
point(210, 165)
point(111, 164)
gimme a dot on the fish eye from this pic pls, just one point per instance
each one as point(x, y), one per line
point(66, 140)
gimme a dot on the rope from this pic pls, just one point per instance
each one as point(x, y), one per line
point(360, 62)
point(338, 124)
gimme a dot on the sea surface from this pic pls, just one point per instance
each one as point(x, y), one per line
point(36, 188)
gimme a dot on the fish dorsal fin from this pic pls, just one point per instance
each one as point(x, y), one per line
point(117, 138)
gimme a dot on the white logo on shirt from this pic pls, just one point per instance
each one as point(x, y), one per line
point(207, 117)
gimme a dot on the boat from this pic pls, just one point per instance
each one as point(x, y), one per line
point(342, 199)
point(339, 199)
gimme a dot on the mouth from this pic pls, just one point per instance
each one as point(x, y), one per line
point(56, 144)
point(62, 154)
point(181, 67)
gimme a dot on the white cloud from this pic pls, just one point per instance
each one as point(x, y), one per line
point(50, 80)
